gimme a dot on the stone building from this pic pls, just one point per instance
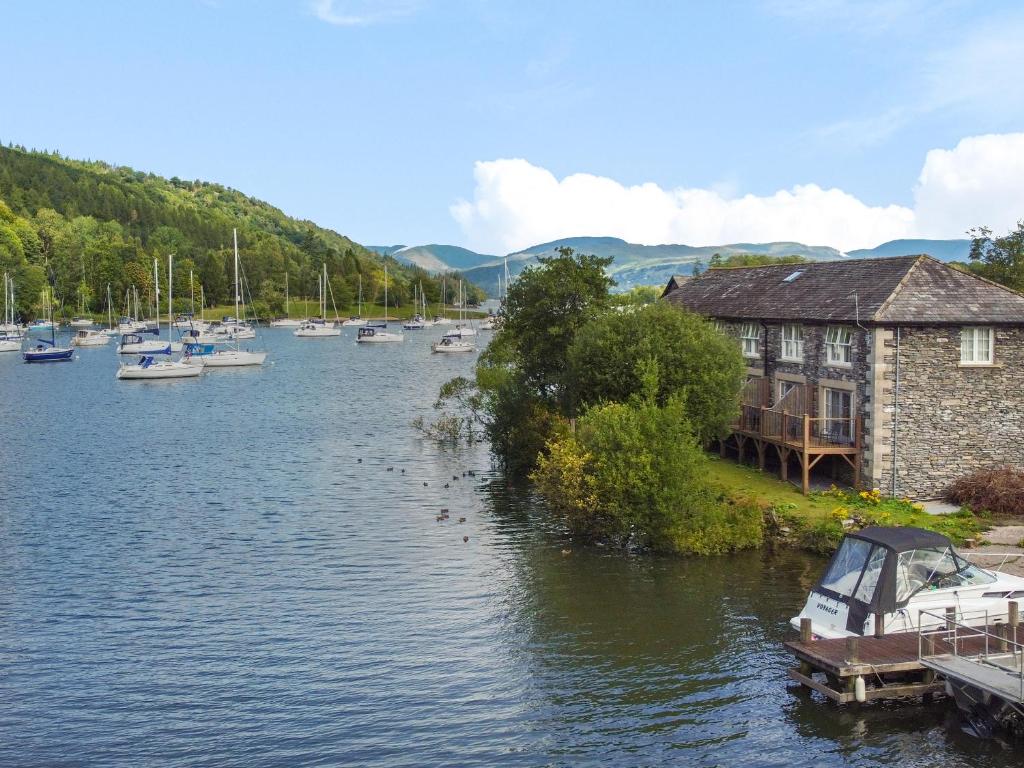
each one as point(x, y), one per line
point(902, 373)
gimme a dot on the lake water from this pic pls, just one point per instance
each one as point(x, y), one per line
point(224, 572)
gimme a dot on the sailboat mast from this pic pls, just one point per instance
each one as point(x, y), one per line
point(385, 293)
point(192, 294)
point(359, 309)
point(110, 309)
point(234, 233)
point(287, 307)
point(170, 295)
point(156, 296)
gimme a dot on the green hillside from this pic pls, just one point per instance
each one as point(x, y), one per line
point(87, 224)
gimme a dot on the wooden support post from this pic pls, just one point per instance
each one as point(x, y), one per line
point(721, 447)
point(805, 459)
point(1002, 633)
point(805, 631)
point(761, 447)
point(852, 650)
point(879, 624)
point(1013, 608)
point(784, 464)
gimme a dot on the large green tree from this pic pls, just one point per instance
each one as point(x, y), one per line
point(999, 258)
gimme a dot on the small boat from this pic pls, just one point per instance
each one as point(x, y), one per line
point(452, 344)
point(318, 327)
point(9, 343)
point(895, 573)
point(357, 321)
point(415, 323)
point(418, 321)
point(90, 338)
point(81, 322)
point(10, 332)
point(490, 323)
point(149, 368)
point(41, 325)
point(48, 351)
point(379, 333)
point(135, 344)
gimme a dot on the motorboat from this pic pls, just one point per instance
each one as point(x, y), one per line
point(129, 325)
point(452, 344)
point(135, 344)
point(40, 325)
point(81, 322)
point(895, 574)
point(10, 342)
point(415, 323)
point(149, 368)
point(227, 358)
point(90, 338)
point(376, 335)
point(316, 328)
point(354, 322)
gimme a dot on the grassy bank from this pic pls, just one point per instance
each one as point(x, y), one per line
point(817, 522)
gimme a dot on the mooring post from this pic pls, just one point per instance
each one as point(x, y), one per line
point(879, 624)
point(1001, 632)
point(852, 650)
point(1013, 609)
point(805, 631)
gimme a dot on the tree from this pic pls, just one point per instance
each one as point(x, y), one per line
point(1000, 259)
point(634, 473)
point(697, 364)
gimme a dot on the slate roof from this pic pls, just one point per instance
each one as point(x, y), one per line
point(909, 290)
point(674, 282)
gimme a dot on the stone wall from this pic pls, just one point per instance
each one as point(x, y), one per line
point(946, 420)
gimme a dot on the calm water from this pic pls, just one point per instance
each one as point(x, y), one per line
point(204, 573)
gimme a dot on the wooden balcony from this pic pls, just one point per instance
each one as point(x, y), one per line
point(809, 437)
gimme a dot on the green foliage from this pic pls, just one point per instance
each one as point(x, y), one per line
point(634, 473)
point(695, 363)
point(89, 221)
point(1000, 259)
point(638, 295)
point(752, 260)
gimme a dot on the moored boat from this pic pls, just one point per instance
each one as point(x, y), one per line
point(89, 338)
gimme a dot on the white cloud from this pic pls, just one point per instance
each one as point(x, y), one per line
point(517, 204)
point(360, 13)
point(978, 182)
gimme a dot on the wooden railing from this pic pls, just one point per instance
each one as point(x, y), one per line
point(805, 431)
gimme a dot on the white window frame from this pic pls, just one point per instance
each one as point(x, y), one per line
point(977, 345)
point(750, 337)
point(793, 342)
point(838, 345)
point(838, 423)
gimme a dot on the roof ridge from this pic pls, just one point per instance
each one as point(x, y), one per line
point(811, 262)
point(898, 289)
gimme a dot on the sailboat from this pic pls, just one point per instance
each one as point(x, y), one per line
point(233, 356)
point(81, 320)
point(462, 329)
point(453, 340)
point(149, 368)
point(418, 321)
point(357, 319)
point(134, 342)
point(318, 327)
point(287, 321)
point(48, 351)
point(441, 319)
point(379, 334)
point(10, 333)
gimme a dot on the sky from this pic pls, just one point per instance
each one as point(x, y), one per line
point(499, 125)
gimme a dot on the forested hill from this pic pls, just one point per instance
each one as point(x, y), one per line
point(92, 223)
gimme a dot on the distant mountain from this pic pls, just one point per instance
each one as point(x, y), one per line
point(944, 250)
point(636, 264)
point(435, 258)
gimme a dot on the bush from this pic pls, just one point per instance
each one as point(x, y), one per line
point(635, 474)
point(999, 491)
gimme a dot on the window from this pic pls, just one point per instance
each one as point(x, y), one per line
point(869, 580)
point(785, 387)
point(837, 345)
point(844, 570)
point(838, 415)
point(750, 334)
point(792, 342)
point(976, 345)
point(935, 569)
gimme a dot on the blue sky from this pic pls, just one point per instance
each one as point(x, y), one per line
point(499, 124)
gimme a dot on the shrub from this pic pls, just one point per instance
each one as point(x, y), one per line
point(999, 491)
point(634, 473)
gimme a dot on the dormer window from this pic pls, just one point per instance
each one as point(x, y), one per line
point(750, 336)
point(838, 343)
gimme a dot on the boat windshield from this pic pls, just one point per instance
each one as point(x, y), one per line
point(846, 566)
point(935, 569)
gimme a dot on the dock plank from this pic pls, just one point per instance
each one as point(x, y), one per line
point(996, 680)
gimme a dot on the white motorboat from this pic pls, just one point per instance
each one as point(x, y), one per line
point(149, 368)
point(81, 322)
point(228, 358)
point(10, 343)
point(90, 338)
point(452, 344)
point(895, 574)
point(354, 322)
point(316, 328)
point(372, 334)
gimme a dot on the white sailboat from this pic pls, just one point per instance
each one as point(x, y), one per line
point(149, 368)
point(134, 343)
point(419, 320)
point(374, 334)
point(318, 327)
point(462, 328)
point(81, 320)
point(357, 320)
point(453, 340)
point(287, 321)
point(10, 333)
point(441, 319)
point(233, 356)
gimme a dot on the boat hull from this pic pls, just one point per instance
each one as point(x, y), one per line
point(285, 323)
point(145, 348)
point(49, 355)
point(10, 346)
point(162, 370)
point(229, 358)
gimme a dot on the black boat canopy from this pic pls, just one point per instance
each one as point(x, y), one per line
point(902, 539)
